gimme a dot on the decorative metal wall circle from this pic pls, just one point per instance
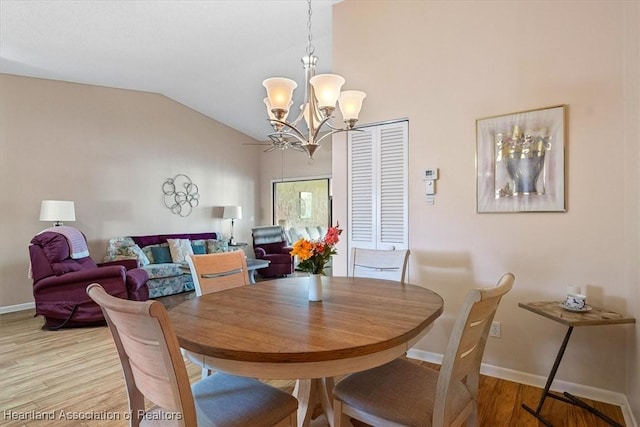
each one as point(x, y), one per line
point(180, 195)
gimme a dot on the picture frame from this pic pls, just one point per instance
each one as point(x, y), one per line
point(520, 161)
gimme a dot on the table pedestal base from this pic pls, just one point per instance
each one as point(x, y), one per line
point(569, 397)
point(309, 393)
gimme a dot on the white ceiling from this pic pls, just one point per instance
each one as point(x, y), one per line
point(210, 55)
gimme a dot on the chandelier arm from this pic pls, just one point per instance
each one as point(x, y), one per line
point(316, 132)
point(333, 132)
point(296, 133)
point(335, 128)
point(297, 120)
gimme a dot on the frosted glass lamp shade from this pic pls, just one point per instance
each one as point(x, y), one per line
point(307, 118)
point(57, 211)
point(350, 102)
point(232, 212)
point(270, 112)
point(326, 88)
point(279, 92)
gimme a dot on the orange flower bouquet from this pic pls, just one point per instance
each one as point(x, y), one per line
point(315, 254)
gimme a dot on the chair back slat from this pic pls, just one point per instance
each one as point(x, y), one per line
point(465, 348)
point(380, 264)
point(149, 353)
point(218, 271)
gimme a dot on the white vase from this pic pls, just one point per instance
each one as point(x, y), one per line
point(315, 287)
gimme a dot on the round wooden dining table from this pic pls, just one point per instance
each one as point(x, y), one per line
point(271, 330)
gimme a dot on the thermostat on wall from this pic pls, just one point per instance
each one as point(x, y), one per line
point(431, 173)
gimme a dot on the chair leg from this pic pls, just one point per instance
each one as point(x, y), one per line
point(472, 420)
point(340, 419)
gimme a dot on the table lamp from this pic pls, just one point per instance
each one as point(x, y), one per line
point(233, 213)
point(57, 211)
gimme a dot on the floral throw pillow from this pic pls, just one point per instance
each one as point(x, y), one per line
point(135, 252)
point(215, 246)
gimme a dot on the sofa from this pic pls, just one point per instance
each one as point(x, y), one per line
point(164, 257)
point(309, 233)
point(60, 279)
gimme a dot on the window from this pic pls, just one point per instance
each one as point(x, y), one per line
point(302, 203)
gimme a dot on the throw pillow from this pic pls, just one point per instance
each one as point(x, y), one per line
point(161, 254)
point(215, 246)
point(180, 249)
point(135, 252)
point(199, 249)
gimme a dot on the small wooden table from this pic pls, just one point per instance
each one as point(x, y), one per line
point(273, 331)
point(255, 264)
point(595, 316)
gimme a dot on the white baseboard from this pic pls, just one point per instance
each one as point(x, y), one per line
point(588, 392)
point(17, 307)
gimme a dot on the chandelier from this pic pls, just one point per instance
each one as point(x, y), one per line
point(322, 91)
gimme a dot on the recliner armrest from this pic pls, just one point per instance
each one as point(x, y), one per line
point(129, 263)
point(137, 288)
point(286, 250)
point(259, 252)
point(81, 279)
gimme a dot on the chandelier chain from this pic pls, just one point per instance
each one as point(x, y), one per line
point(310, 48)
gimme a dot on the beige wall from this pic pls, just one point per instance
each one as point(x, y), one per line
point(110, 151)
point(444, 64)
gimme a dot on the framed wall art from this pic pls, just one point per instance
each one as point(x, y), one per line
point(520, 161)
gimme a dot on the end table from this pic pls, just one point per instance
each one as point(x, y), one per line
point(595, 316)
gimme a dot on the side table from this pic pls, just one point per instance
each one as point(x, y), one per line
point(595, 316)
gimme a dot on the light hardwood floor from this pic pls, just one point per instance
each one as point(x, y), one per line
point(75, 373)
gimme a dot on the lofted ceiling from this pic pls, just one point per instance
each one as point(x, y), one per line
point(210, 55)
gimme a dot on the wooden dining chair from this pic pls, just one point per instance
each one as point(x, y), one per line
point(218, 271)
point(404, 393)
point(154, 369)
point(213, 273)
point(380, 264)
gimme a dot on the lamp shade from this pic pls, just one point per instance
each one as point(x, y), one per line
point(327, 88)
point(270, 113)
point(57, 210)
point(311, 124)
point(279, 92)
point(350, 102)
point(233, 212)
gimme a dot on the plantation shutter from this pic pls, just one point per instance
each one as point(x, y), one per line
point(378, 192)
point(361, 189)
point(393, 187)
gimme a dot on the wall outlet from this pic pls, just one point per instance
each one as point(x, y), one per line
point(495, 330)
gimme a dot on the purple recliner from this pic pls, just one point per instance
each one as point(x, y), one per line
point(60, 282)
point(270, 243)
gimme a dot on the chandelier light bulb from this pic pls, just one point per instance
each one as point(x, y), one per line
point(327, 88)
point(350, 102)
point(279, 92)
